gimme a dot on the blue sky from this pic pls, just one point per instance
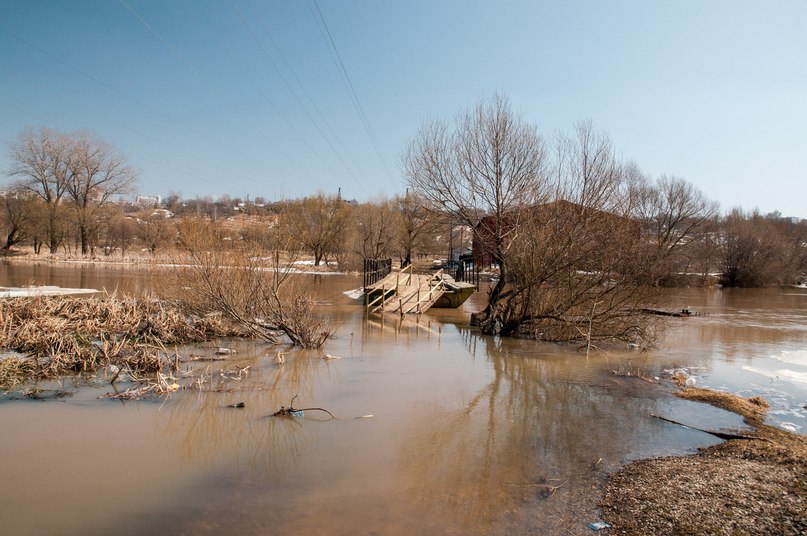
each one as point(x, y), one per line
point(243, 97)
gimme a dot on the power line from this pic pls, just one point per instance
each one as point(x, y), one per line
point(294, 94)
point(217, 93)
point(122, 94)
point(269, 101)
point(185, 171)
point(337, 59)
point(313, 105)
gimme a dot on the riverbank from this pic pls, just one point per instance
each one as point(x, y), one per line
point(742, 486)
point(145, 259)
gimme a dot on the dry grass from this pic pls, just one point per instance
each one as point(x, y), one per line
point(60, 335)
point(752, 409)
point(756, 486)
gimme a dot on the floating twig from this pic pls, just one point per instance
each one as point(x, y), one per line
point(297, 412)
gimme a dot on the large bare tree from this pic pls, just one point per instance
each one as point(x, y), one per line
point(579, 271)
point(38, 161)
point(76, 166)
point(556, 222)
point(489, 162)
point(95, 173)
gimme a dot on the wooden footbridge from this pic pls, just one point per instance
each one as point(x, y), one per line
point(404, 292)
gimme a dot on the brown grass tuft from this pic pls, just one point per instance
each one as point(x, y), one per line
point(60, 335)
point(753, 409)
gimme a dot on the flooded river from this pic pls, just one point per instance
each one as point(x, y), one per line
point(438, 430)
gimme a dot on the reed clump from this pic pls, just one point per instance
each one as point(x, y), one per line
point(62, 335)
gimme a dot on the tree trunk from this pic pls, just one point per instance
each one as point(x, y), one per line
point(492, 320)
point(84, 239)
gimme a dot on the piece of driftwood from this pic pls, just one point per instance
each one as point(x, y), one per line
point(297, 412)
point(722, 435)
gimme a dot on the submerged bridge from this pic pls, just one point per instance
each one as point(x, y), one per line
point(404, 292)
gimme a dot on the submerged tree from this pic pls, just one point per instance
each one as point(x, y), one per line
point(559, 230)
point(580, 271)
point(490, 163)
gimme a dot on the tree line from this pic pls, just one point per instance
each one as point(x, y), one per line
point(66, 193)
point(579, 239)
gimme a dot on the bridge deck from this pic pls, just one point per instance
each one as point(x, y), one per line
point(405, 293)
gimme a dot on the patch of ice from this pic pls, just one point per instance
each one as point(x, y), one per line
point(354, 294)
point(17, 292)
point(781, 374)
point(796, 357)
point(790, 427)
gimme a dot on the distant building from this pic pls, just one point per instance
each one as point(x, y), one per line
point(146, 201)
point(485, 236)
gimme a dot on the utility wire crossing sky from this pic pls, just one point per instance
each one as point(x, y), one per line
point(282, 99)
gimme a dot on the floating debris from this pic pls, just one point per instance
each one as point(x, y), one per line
point(237, 405)
point(218, 357)
point(297, 412)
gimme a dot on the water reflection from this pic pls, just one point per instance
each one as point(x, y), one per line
point(530, 444)
point(469, 433)
point(207, 431)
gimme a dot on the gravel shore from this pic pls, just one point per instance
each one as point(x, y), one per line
point(742, 486)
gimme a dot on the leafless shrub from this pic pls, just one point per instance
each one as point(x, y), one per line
point(250, 282)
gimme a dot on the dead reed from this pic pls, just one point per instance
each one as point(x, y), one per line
point(62, 335)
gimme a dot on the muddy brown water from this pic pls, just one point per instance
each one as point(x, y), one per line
point(468, 434)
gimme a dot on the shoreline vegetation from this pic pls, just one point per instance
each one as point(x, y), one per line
point(54, 336)
point(142, 259)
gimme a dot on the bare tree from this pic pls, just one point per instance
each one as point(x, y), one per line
point(578, 269)
point(675, 217)
point(754, 253)
point(155, 229)
point(16, 218)
point(418, 227)
point(95, 172)
point(38, 161)
point(570, 256)
point(56, 166)
point(490, 163)
point(376, 229)
point(318, 223)
point(121, 231)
